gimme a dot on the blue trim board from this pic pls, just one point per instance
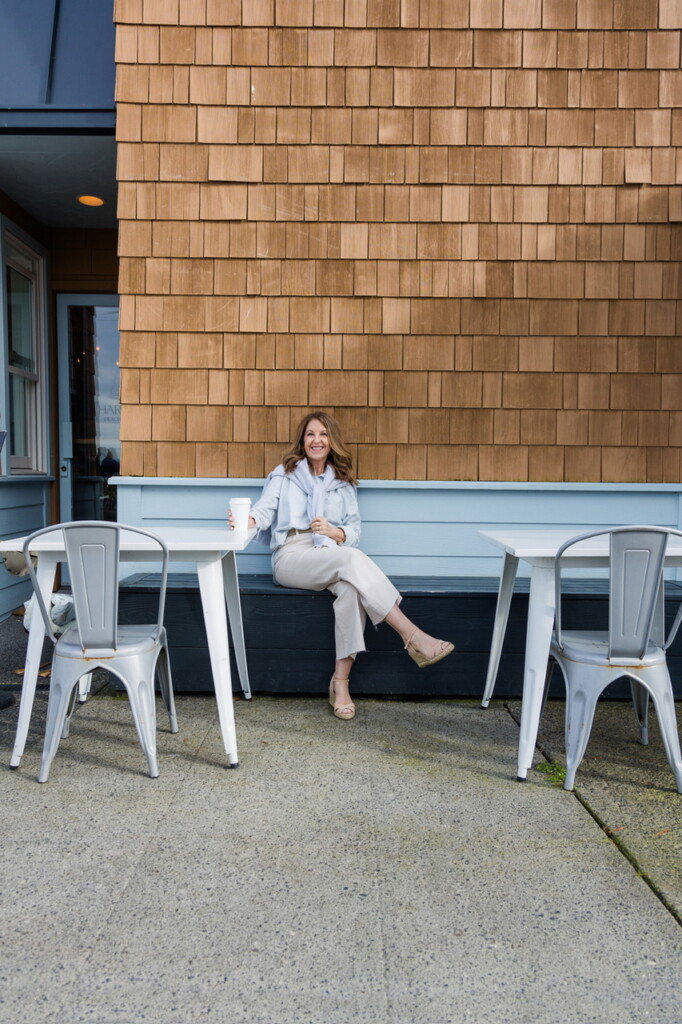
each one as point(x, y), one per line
point(416, 528)
point(24, 507)
point(61, 121)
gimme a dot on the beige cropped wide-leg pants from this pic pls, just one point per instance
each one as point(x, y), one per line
point(360, 587)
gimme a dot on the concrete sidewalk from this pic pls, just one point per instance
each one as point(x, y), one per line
point(630, 790)
point(388, 870)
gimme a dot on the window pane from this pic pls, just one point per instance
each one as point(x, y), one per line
point(24, 288)
point(20, 321)
point(19, 404)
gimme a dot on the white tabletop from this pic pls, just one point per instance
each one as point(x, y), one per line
point(542, 543)
point(178, 539)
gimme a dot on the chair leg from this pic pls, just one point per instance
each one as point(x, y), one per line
point(66, 728)
point(581, 701)
point(138, 679)
point(62, 689)
point(166, 686)
point(640, 702)
point(657, 680)
point(84, 684)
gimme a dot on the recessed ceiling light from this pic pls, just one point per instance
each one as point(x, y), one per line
point(90, 200)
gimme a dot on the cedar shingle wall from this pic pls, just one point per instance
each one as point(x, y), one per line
point(458, 223)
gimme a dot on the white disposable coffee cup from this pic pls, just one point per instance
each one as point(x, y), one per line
point(240, 508)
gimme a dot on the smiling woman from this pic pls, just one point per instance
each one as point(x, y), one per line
point(308, 515)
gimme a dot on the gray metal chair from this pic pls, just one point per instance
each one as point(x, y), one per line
point(634, 645)
point(135, 653)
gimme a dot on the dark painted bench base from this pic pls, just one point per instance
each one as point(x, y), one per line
point(289, 636)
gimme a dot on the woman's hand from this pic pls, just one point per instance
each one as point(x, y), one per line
point(230, 520)
point(325, 528)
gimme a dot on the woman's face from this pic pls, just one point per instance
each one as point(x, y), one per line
point(316, 442)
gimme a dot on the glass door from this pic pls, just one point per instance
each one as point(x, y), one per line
point(89, 407)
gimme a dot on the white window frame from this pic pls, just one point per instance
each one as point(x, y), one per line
point(35, 462)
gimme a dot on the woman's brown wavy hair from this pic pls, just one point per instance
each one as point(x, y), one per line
point(339, 456)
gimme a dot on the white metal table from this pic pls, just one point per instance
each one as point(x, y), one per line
point(214, 554)
point(539, 547)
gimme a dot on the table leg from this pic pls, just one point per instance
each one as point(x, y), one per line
point(234, 614)
point(538, 638)
point(504, 596)
point(215, 618)
point(45, 573)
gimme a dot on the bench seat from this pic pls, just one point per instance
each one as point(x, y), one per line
point(289, 635)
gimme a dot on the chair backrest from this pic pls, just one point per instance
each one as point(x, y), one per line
point(636, 557)
point(92, 553)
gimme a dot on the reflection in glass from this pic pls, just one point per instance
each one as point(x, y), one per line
point(95, 409)
point(18, 416)
point(20, 321)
